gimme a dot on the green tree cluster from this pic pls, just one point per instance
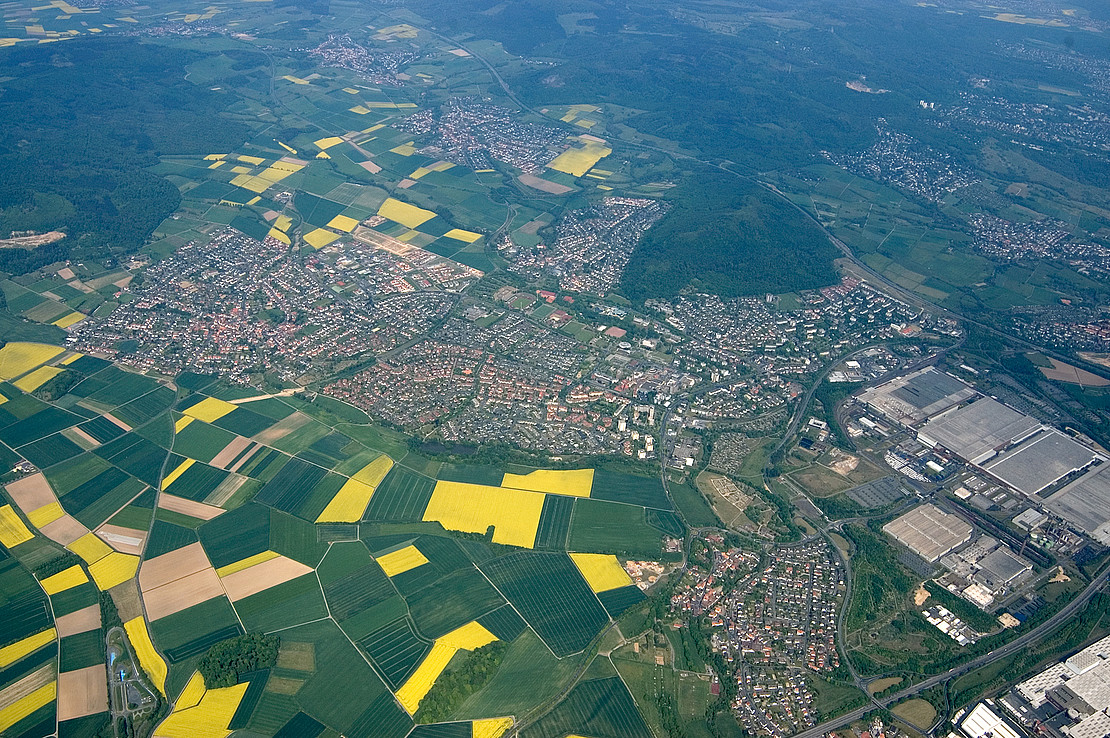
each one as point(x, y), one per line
point(228, 660)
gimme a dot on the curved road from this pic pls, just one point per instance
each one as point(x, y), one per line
point(988, 658)
point(1003, 651)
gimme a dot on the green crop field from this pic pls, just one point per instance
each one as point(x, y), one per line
point(96, 500)
point(50, 450)
point(367, 709)
point(608, 527)
point(196, 482)
point(354, 591)
point(236, 535)
point(24, 606)
point(551, 535)
point(81, 650)
point(616, 601)
point(291, 486)
point(201, 441)
point(292, 603)
point(617, 487)
point(452, 602)
point(135, 455)
point(146, 407)
point(166, 537)
point(401, 497)
point(44, 422)
point(551, 595)
point(396, 650)
point(596, 707)
point(102, 429)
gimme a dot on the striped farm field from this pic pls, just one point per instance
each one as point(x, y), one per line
point(548, 591)
point(401, 497)
point(396, 650)
point(554, 525)
point(595, 707)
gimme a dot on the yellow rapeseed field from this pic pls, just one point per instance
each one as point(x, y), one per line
point(343, 223)
point(351, 500)
point(468, 637)
point(46, 514)
point(172, 476)
point(320, 238)
point(194, 690)
point(114, 569)
point(327, 143)
point(90, 548)
point(67, 320)
point(491, 727)
point(10, 654)
point(19, 358)
point(472, 508)
point(246, 563)
point(348, 504)
point(577, 161)
point(208, 718)
point(182, 423)
point(24, 706)
point(572, 482)
point(63, 580)
point(460, 235)
point(210, 409)
point(12, 530)
point(153, 664)
point(601, 571)
point(403, 213)
point(374, 472)
point(401, 561)
point(279, 235)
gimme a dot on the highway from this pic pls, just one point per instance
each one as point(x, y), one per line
point(1001, 652)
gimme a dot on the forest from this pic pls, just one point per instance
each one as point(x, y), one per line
point(730, 237)
point(79, 124)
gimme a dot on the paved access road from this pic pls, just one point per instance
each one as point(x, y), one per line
point(1001, 652)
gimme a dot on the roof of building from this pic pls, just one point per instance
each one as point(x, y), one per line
point(929, 532)
point(917, 396)
point(978, 431)
point(983, 721)
point(1040, 461)
point(1085, 503)
point(1001, 567)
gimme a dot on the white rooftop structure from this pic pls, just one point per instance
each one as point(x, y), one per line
point(984, 722)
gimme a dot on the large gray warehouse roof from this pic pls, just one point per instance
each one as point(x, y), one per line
point(976, 432)
point(1085, 503)
point(929, 532)
point(1039, 462)
point(917, 396)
